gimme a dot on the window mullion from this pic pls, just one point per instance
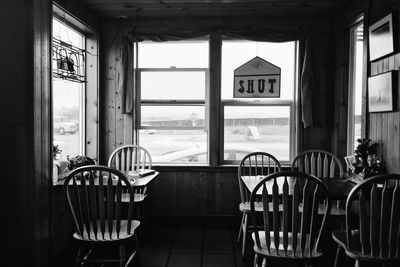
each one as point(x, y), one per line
point(213, 100)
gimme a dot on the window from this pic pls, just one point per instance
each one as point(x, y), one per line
point(355, 84)
point(172, 114)
point(259, 124)
point(68, 100)
point(172, 82)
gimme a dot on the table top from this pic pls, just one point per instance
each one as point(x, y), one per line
point(339, 188)
point(137, 181)
point(141, 181)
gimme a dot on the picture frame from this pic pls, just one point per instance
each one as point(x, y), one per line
point(380, 92)
point(381, 38)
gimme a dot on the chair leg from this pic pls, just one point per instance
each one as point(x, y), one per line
point(79, 256)
point(244, 235)
point(339, 257)
point(264, 262)
point(357, 263)
point(240, 228)
point(256, 260)
point(122, 256)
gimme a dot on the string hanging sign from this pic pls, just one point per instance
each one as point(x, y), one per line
point(257, 78)
point(68, 61)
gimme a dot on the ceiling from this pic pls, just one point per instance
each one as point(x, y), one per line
point(219, 8)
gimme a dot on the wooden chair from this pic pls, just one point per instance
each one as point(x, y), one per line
point(94, 196)
point(321, 164)
point(294, 233)
point(253, 164)
point(373, 235)
point(131, 158)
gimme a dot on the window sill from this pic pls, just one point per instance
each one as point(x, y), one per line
point(203, 167)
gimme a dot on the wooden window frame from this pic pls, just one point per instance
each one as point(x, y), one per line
point(351, 85)
point(214, 125)
point(89, 136)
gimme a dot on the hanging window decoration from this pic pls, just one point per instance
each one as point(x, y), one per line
point(68, 61)
point(257, 79)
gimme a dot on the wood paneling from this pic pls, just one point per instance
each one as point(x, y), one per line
point(204, 191)
point(24, 134)
point(234, 8)
point(384, 126)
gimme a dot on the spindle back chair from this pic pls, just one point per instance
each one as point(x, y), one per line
point(321, 164)
point(373, 235)
point(131, 158)
point(295, 233)
point(94, 196)
point(253, 164)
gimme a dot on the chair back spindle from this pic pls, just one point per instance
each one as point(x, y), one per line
point(376, 231)
point(131, 158)
point(319, 163)
point(295, 230)
point(255, 164)
point(94, 197)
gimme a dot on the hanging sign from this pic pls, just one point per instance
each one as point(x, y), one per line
point(257, 79)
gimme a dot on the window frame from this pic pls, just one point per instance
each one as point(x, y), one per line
point(89, 99)
point(351, 84)
point(263, 103)
point(214, 108)
point(267, 102)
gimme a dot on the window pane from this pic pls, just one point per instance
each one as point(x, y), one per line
point(236, 53)
point(67, 97)
point(177, 146)
point(67, 34)
point(66, 117)
point(172, 116)
point(257, 128)
point(182, 54)
point(355, 90)
point(173, 85)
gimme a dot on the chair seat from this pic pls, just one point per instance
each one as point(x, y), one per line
point(245, 207)
point(123, 233)
point(137, 197)
point(356, 252)
point(281, 253)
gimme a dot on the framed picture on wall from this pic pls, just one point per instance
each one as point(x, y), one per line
point(381, 38)
point(380, 92)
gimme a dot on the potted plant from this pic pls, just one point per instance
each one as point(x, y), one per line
point(364, 150)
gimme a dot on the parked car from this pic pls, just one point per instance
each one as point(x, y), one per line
point(62, 125)
point(199, 154)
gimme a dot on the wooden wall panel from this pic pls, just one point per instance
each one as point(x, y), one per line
point(201, 192)
point(383, 125)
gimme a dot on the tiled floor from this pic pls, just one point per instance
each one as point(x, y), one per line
point(187, 247)
point(204, 246)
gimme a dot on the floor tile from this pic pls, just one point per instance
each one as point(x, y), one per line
point(189, 235)
point(187, 247)
point(218, 248)
point(184, 260)
point(218, 260)
point(217, 235)
point(152, 256)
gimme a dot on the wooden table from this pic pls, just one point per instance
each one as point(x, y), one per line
point(141, 181)
point(339, 188)
point(138, 182)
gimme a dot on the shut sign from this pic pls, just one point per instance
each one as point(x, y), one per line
point(257, 79)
